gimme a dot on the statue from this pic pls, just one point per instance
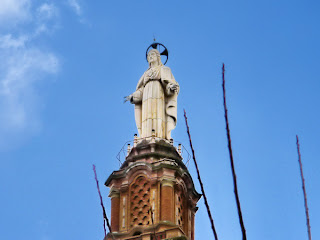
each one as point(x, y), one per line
point(155, 99)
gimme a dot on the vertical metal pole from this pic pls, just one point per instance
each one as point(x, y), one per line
point(304, 190)
point(244, 236)
point(199, 178)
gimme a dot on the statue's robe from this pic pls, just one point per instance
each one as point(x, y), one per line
point(155, 103)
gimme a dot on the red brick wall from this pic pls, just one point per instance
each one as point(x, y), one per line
point(167, 211)
point(115, 211)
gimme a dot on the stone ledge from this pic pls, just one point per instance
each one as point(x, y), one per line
point(177, 238)
point(156, 149)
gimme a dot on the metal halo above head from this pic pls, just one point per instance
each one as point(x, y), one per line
point(161, 48)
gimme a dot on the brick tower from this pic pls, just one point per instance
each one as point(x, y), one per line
point(152, 194)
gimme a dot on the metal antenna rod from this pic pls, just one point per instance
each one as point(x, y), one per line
point(105, 218)
point(199, 178)
point(244, 236)
point(304, 190)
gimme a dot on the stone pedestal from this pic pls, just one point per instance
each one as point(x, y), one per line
point(152, 192)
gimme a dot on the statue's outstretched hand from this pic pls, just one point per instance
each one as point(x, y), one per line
point(127, 98)
point(174, 87)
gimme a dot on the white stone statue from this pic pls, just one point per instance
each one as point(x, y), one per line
point(155, 99)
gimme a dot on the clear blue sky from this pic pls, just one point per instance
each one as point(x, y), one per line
point(66, 65)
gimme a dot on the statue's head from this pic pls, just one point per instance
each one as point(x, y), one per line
point(154, 56)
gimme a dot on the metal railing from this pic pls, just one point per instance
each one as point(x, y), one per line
point(127, 146)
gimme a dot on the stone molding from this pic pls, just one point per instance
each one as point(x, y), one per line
point(167, 182)
point(114, 193)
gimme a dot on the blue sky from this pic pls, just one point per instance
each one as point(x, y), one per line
point(66, 65)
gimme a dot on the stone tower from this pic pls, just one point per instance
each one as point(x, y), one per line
point(152, 194)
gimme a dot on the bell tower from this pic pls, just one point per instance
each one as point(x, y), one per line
point(152, 194)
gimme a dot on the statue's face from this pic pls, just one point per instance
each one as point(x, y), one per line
point(152, 57)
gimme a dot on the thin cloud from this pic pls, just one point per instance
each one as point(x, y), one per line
point(23, 66)
point(74, 4)
point(77, 8)
point(47, 11)
point(46, 19)
point(7, 41)
point(14, 11)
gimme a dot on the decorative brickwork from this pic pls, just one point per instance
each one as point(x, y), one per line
point(179, 208)
point(152, 177)
point(140, 202)
point(159, 236)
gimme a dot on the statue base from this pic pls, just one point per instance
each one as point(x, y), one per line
point(152, 192)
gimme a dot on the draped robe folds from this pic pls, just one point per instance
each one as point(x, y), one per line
point(155, 103)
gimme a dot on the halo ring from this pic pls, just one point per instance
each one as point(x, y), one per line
point(157, 46)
